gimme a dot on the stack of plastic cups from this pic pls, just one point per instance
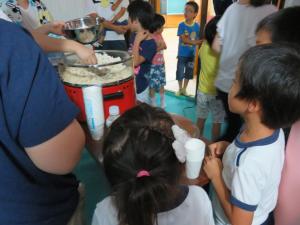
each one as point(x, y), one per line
point(93, 103)
point(195, 149)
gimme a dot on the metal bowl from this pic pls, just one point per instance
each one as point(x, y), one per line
point(86, 30)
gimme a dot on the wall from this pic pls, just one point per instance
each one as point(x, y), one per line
point(66, 9)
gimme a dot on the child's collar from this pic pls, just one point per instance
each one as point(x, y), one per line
point(190, 25)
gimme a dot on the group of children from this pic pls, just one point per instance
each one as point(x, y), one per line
point(245, 175)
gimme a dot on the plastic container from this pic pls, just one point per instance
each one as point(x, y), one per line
point(114, 113)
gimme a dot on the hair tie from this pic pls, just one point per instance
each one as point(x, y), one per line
point(143, 173)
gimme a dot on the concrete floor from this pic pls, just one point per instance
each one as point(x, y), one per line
point(170, 54)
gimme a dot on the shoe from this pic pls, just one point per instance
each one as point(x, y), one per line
point(178, 93)
point(183, 92)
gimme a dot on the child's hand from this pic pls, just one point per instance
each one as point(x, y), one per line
point(140, 36)
point(213, 167)
point(217, 149)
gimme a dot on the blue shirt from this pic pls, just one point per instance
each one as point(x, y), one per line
point(33, 108)
point(147, 50)
point(192, 31)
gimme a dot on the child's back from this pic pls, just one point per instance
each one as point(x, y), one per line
point(142, 167)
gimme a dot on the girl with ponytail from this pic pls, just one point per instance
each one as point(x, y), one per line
point(143, 169)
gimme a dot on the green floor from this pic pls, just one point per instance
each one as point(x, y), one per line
point(91, 174)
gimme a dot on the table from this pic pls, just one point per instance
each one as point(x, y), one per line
point(95, 147)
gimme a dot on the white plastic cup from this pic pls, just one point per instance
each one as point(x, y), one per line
point(93, 104)
point(195, 149)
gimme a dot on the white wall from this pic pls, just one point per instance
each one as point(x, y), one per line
point(66, 9)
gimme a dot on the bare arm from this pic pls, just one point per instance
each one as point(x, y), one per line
point(137, 58)
point(235, 215)
point(116, 5)
point(49, 44)
point(161, 45)
point(186, 40)
point(216, 45)
point(119, 15)
point(60, 154)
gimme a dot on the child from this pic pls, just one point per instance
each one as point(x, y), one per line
point(120, 9)
point(114, 35)
point(265, 92)
point(142, 167)
point(206, 97)
point(236, 35)
point(270, 30)
point(188, 32)
point(141, 16)
point(157, 76)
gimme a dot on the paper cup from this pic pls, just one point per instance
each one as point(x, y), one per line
point(195, 149)
point(93, 103)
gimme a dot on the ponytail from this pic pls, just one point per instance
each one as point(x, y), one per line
point(130, 149)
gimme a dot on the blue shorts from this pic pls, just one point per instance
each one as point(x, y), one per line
point(185, 68)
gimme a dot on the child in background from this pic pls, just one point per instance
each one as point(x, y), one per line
point(207, 101)
point(157, 76)
point(270, 30)
point(120, 9)
point(188, 32)
point(143, 48)
point(141, 165)
point(265, 91)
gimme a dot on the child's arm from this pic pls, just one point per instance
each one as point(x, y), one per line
point(60, 154)
point(137, 58)
point(119, 15)
point(161, 44)
point(216, 45)
point(235, 215)
point(186, 40)
point(116, 5)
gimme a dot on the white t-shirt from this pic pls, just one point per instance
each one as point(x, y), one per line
point(237, 33)
point(123, 4)
point(103, 9)
point(252, 172)
point(4, 16)
point(195, 209)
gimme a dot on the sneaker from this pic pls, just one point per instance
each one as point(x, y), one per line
point(183, 92)
point(178, 93)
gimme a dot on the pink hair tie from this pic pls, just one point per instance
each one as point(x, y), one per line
point(143, 173)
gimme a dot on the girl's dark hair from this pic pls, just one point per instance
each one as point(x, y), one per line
point(211, 29)
point(270, 74)
point(141, 139)
point(157, 23)
point(257, 3)
point(283, 25)
point(141, 11)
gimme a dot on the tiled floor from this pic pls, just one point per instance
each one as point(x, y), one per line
point(170, 54)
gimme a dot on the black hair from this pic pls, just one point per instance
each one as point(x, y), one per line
point(211, 29)
point(283, 25)
point(141, 11)
point(257, 3)
point(141, 139)
point(157, 23)
point(270, 74)
point(194, 5)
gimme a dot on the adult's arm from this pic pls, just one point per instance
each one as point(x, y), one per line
point(49, 44)
point(60, 154)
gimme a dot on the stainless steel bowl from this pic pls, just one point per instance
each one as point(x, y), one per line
point(86, 30)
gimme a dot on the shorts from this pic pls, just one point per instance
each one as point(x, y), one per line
point(185, 68)
point(157, 77)
point(209, 103)
point(144, 96)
